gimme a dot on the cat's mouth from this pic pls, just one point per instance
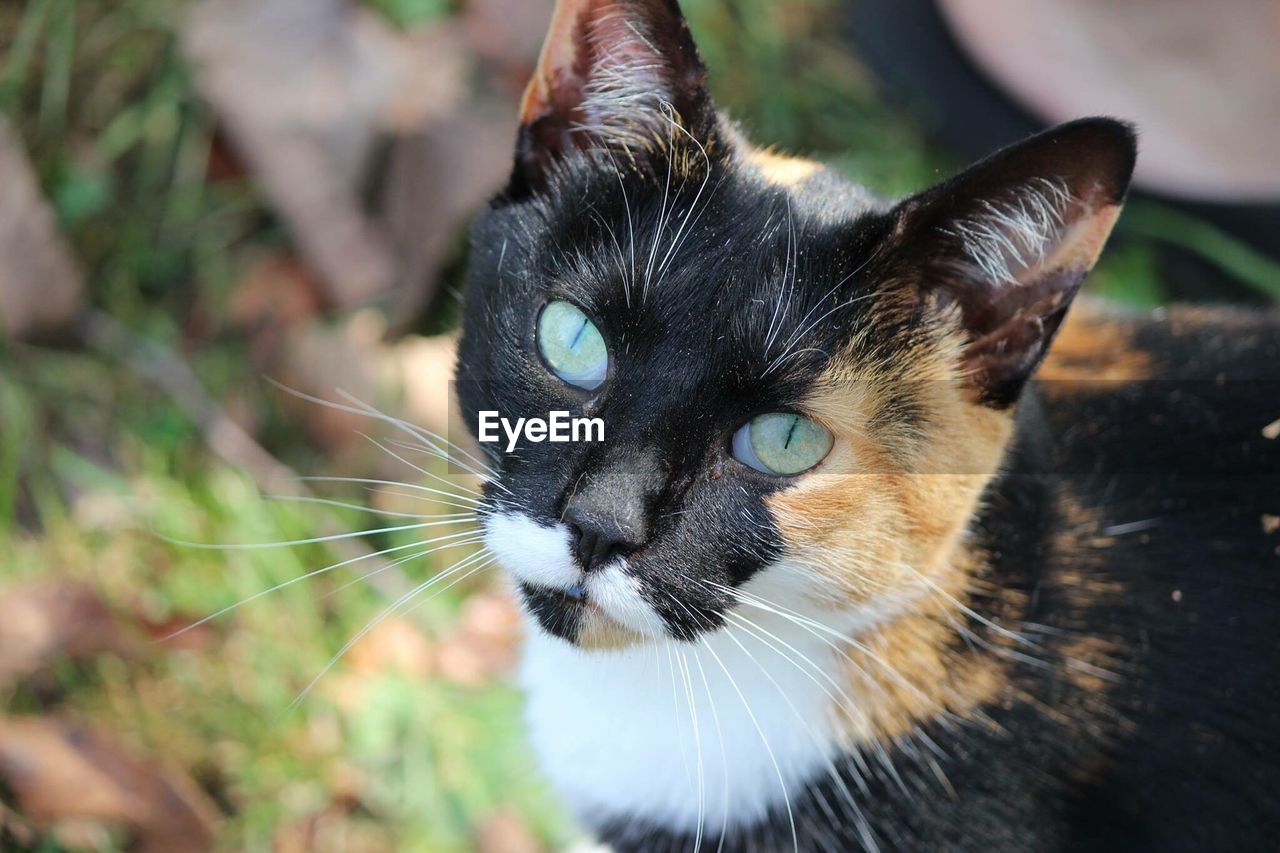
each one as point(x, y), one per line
point(602, 608)
point(573, 614)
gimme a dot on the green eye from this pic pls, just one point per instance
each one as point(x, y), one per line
point(781, 443)
point(572, 346)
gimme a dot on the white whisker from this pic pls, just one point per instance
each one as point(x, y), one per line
point(386, 613)
point(777, 769)
point(335, 537)
point(365, 508)
point(397, 483)
point(351, 561)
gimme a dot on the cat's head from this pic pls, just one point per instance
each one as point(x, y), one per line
point(804, 390)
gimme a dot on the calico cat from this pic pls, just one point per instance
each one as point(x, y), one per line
point(840, 575)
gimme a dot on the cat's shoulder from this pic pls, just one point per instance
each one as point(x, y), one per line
point(1102, 342)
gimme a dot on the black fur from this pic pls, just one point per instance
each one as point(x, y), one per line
point(1181, 750)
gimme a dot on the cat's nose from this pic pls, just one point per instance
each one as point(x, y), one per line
point(598, 539)
point(608, 507)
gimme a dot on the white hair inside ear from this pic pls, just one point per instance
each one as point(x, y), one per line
point(1012, 235)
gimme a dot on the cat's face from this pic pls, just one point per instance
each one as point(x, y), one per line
point(804, 391)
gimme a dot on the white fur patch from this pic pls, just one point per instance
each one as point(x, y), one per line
point(713, 734)
point(618, 595)
point(530, 552)
point(539, 556)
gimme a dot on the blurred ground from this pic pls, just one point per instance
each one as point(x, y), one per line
point(194, 198)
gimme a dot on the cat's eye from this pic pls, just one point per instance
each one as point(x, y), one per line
point(781, 443)
point(572, 346)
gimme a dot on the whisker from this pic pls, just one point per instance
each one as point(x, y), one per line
point(366, 508)
point(308, 576)
point(432, 439)
point(777, 769)
point(359, 407)
point(419, 469)
point(799, 336)
point(414, 486)
point(252, 546)
point(628, 281)
point(818, 629)
point(724, 755)
point(662, 225)
point(678, 239)
point(830, 765)
point(461, 543)
point(697, 744)
point(844, 703)
point(675, 712)
point(386, 613)
point(774, 326)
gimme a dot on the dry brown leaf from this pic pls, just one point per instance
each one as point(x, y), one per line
point(320, 358)
point(396, 644)
point(424, 367)
point(484, 645)
point(48, 622)
point(304, 87)
point(277, 292)
point(40, 285)
point(437, 180)
point(16, 832)
point(431, 65)
point(505, 831)
point(494, 616)
point(341, 827)
point(62, 773)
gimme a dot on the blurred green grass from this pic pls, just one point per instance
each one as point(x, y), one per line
point(92, 457)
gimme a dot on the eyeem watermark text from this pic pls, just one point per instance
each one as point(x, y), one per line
point(557, 428)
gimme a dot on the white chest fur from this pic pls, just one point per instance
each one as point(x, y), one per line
point(682, 735)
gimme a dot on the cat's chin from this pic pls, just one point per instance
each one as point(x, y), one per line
point(581, 622)
point(598, 631)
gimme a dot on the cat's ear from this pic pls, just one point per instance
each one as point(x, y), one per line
point(617, 74)
point(1009, 241)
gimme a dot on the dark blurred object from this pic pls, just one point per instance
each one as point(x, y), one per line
point(76, 782)
point(40, 286)
point(508, 34)
point(923, 62)
point(45, 624)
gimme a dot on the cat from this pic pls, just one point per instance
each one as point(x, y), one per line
point(862, 563)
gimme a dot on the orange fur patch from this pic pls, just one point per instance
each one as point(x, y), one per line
point(886, 530)
point(1094, 347)
point(871, 520)
point(781, 169)
point(910, 672)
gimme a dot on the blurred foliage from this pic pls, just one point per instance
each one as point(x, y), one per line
point(407, 13)
point(92, 458)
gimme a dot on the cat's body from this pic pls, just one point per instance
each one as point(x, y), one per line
point(1133, 534)
point(961, 611)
